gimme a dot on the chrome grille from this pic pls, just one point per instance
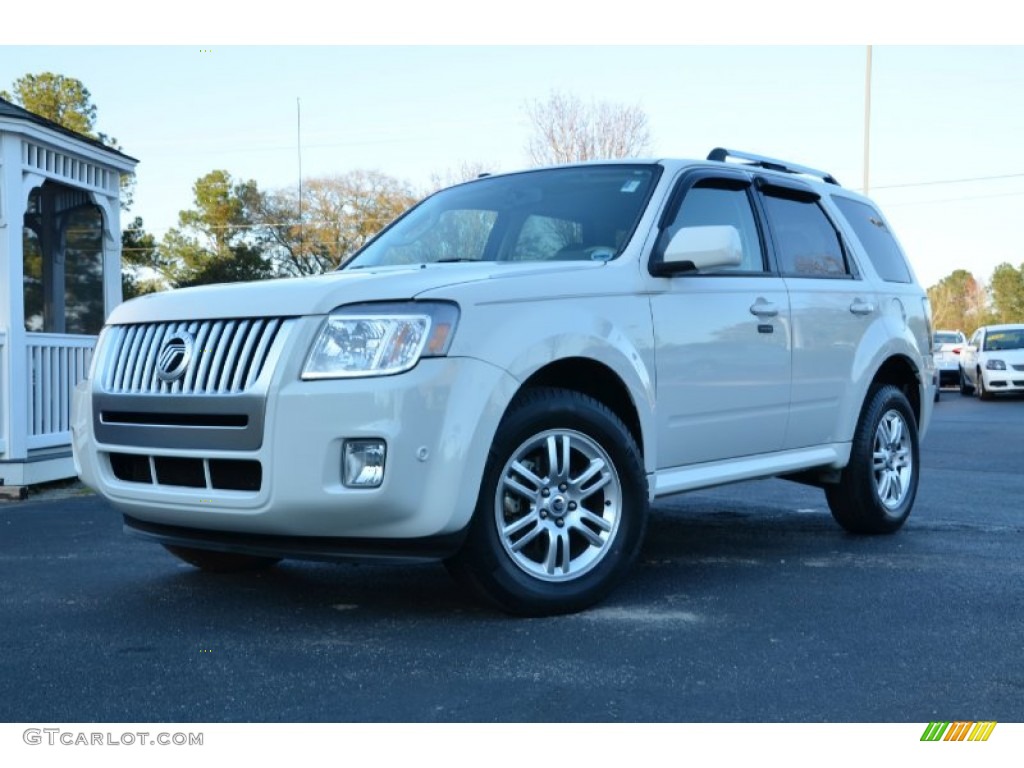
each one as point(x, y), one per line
point(227, 357)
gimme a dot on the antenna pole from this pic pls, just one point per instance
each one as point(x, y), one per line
point(298, 134)
point(867, 119)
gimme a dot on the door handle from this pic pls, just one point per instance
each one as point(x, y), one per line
point(861, 307)
point(762, 308)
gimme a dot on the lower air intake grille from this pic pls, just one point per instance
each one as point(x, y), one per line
point(223, 474)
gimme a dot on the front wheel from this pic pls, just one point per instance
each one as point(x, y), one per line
point(965, 386)
point(562, 506)
point(983, 394)
point(877, 488)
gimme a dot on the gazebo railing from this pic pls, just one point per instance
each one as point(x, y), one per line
point(56, 363)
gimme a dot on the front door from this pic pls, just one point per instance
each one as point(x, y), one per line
point(722, 338)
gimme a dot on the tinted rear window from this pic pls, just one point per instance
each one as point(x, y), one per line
point(876, 239)
point(806, 243)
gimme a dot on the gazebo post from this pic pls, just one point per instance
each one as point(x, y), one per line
point(13, 385)
point(112, 293)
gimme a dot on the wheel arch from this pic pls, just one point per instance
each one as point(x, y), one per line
point(597, 380)
point(900, 372)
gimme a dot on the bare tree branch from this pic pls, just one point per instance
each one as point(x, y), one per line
point(565, 130)
point(339, 215)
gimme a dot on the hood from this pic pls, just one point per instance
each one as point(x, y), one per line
point(1009, 356)
point(296, 296)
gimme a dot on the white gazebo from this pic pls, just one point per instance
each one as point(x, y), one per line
point(60, 276)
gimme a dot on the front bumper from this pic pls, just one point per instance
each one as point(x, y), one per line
point(438, 421)
point(1008, 381)
point(334, 548)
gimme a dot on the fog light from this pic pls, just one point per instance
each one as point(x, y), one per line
point(363, 463)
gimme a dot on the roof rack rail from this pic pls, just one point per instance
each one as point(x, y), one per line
point(719, 154)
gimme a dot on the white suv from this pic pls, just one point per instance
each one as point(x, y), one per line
point(507, 376)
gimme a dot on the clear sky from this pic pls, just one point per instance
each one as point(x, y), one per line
point(945, 120)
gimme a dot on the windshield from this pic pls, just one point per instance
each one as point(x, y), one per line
point(1002, 340)
point(556, 214)
point(948, 338)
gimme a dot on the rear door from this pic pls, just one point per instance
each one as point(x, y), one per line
point(831, 306)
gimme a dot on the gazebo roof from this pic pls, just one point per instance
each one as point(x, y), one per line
point(13, 111)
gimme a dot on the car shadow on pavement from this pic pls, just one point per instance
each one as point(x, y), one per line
point(694, 544)
point(327, 590)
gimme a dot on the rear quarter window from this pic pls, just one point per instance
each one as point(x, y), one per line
point(876, 239)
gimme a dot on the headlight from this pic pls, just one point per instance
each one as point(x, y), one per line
point(380, 339)
point(995, 365)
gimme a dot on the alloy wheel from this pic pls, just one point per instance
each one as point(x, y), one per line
point(558, 505)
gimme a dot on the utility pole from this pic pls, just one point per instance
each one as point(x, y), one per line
point(867, 119)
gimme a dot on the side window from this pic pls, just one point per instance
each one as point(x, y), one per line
point(807, 244)
point(706, 205)
point(878, 242)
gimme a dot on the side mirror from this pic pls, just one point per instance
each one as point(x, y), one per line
point(694, 249)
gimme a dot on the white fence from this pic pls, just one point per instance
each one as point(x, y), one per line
point(56, 363)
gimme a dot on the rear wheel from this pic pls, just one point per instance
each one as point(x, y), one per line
point(562, 507)
point(220, 562)
point(877, 489)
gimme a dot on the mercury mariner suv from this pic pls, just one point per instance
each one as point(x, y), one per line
point(508, 375)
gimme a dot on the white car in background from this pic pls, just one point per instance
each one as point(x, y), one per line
point(946, 348)
point(993, 361)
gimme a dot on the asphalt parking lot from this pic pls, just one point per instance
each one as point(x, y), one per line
point(748, 605)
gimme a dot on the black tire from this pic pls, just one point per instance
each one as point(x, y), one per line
point(965, 388)
point(983, 394)
point(221, 562)
point(876, 495)
point(546, 539)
